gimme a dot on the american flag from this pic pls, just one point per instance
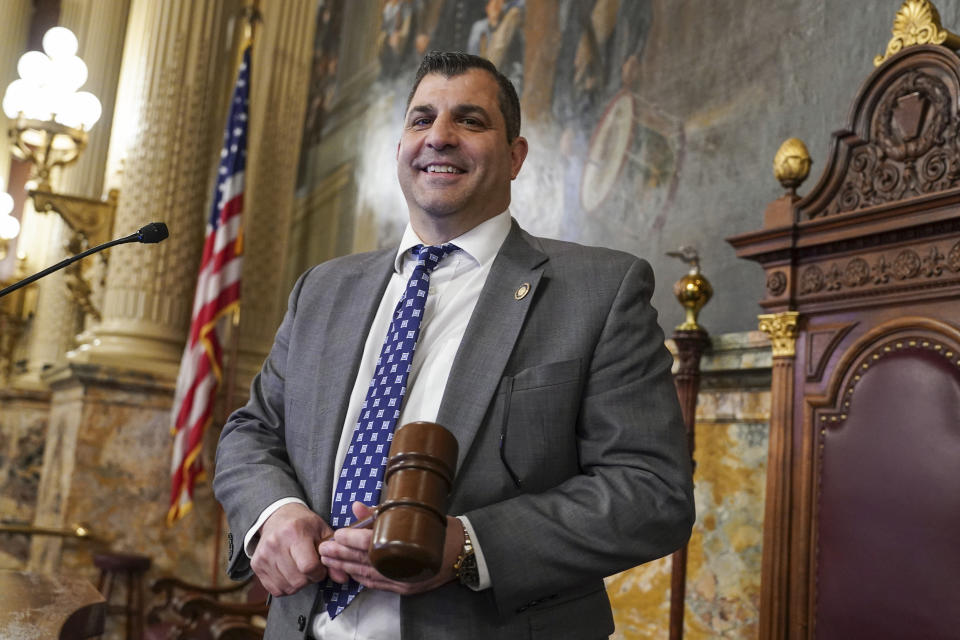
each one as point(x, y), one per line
point(217, 295)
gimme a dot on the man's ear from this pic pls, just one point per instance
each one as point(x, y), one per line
point(518, 153)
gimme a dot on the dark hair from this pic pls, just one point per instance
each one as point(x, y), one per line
point(455, 63)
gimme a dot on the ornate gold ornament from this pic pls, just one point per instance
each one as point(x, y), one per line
point(917, 22)
point(91, 223)
point(782, 330)
point(13, 321)
point(693, 290)
point(791, 164)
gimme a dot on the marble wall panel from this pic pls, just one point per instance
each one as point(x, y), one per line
point(724, 553)
point(107, 465)
point(23, 423)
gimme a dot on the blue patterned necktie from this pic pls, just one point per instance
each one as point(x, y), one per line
point(361, 477)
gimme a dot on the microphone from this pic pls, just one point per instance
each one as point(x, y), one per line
point(153, 232)
point(150, 233)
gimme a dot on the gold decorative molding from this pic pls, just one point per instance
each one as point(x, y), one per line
point(782, 329)
point(89, 220)
point(13, 321)
point(917, 22)
point(88, 216)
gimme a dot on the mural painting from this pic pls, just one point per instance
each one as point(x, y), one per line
point(608, 158)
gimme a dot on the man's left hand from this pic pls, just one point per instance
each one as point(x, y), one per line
point(347, 554)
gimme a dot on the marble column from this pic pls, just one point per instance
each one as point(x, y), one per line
point(14, 30)
point(282, 57)
point(13, 38)
point(165, 136)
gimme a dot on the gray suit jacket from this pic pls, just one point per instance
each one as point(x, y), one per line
point(575, 375)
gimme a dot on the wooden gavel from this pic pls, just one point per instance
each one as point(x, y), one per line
point(410, 523)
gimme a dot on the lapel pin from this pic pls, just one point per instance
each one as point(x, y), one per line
point(522, 292)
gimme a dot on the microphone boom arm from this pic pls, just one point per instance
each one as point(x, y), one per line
point(153, 232)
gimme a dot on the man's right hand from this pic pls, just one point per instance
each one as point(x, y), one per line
point(286, 557)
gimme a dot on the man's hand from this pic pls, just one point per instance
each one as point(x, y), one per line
point(286, 557)
point(347, 555)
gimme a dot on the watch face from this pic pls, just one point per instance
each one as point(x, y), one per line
point(608, 151)
point(469, 574)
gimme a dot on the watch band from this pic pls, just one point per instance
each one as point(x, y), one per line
point(466, 565)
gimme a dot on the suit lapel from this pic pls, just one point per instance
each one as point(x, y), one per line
point(490, 337)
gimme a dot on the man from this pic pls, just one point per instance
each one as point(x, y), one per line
point(542, 357)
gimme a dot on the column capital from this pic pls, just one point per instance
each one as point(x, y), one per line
point(782, 330)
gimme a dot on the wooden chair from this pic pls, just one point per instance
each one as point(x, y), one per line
point(129, 568)
point(195, 612)
point(863, 299)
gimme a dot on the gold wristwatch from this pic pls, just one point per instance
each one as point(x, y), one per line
point(466, 565)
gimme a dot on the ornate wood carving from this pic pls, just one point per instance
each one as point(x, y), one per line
point(874, 245)
point(821, 343)
point(906, 156)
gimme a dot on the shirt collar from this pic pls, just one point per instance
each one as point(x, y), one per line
point(480, 243)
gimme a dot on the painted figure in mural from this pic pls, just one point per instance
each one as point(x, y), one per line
point(397, 35)
point(542, 357)
point(323, 76)
point(455, 20)
point(499, 38)
point(619, 153)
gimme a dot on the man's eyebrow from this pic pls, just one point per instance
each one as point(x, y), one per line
point(465, 109)
point(421, 109)
point(459, 110)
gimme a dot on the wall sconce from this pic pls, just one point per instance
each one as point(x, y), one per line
point(49, 124)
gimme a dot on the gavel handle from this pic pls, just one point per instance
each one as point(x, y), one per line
point(359, 524)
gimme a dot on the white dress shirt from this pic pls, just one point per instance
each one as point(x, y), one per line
point(455, 287)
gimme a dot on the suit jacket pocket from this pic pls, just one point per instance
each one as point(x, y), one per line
point(547, 375)
point(538, 444)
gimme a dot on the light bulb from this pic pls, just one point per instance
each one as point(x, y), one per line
point(39, 103)
point(6, 203)
point(68, 74)
point(9, 227)
point(60, 42)
point(87, 107)
point(68, 117)
point(34, 67)
point(15, 100)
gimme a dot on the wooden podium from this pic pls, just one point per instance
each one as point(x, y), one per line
point(34, 605)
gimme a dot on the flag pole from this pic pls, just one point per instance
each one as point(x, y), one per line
point(251, 15)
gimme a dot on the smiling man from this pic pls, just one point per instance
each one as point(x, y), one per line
point(543, 358)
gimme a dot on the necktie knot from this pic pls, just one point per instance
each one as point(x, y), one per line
point(429, 256)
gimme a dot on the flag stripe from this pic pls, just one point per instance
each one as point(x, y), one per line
point(216, 295)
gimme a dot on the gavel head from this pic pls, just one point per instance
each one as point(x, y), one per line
point(409, 532)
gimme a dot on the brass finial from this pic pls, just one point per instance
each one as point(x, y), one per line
point(791, 165)
point(692, 290)
point(917, 22)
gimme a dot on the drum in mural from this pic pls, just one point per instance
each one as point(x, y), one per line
point(632, 165)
